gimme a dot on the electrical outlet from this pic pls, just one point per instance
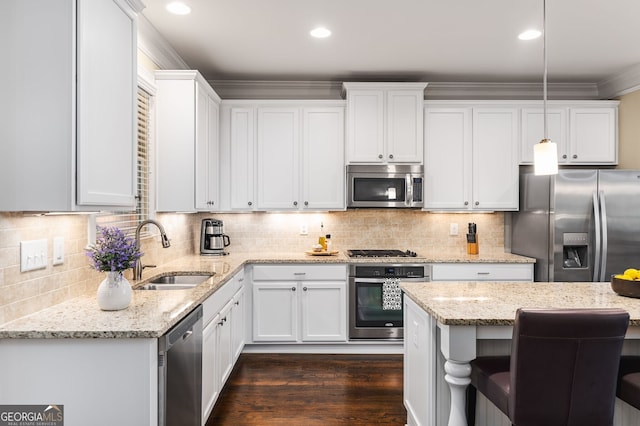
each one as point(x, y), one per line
point(33, 255)
point(453, 229)
point(304, 229)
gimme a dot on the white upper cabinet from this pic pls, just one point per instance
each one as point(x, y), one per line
point(282, 155)
point(471, 158)
point(384, 122)
point(323, 165)
point(68, 132)
point(187, 142)
point(278, 158)
point(585, 131)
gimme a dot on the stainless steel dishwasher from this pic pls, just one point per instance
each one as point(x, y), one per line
point(180, 373)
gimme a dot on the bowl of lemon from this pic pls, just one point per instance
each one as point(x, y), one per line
point(627, 284)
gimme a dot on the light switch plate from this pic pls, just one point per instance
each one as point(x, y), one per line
point(453, 229)
point(33, 255)
point(58, 250)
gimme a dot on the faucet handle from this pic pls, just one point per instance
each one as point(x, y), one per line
point(149, 266)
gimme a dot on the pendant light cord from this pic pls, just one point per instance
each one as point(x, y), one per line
point(544, 59)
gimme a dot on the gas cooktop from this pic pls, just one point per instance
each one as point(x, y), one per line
point(381, 253)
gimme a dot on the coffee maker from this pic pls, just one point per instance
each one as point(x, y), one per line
point(212, 238)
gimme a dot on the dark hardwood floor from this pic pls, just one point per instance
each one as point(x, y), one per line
point(310, 389)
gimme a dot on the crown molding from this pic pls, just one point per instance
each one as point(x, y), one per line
point(260, 89)
point(626, 81)
point(507, 91)
point(156, 47)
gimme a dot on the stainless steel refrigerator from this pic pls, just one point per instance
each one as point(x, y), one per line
point(579, 225)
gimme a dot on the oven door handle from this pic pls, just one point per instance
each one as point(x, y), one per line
point(381, 280)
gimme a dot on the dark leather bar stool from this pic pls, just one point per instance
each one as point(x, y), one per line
point(562, 370)
point(629, 380)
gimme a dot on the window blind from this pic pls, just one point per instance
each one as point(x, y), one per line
point(127, 221)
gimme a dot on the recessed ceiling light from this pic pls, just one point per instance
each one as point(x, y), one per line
point(320, 32)
point(178, 8)
point(529, 35)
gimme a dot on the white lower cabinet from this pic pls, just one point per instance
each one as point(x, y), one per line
point(420, 353)
point(222, 339)
point(482, 272)
point(294, 304)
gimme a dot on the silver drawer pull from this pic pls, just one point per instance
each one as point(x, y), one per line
point(299, 273)
point(484, 273)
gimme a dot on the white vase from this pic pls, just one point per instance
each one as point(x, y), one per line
point(114, 292)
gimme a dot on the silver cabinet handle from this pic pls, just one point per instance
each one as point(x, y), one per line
point(250, 203)
point(293, 289)
point(484, 273)
point(237, 303)
point(575, 156)
point(564, 156)
point(299, 273)
point(380, 156)
point(306, 203)
point(304, 288)
point(477, 203)
point(390, 155)
point(466, 203)
point(295, 203)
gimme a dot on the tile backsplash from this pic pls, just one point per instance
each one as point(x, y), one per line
point(22, 293)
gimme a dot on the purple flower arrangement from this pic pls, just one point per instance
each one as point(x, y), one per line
point(113, 251)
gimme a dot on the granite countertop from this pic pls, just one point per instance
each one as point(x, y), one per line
point(153, 313)
point(495, 303)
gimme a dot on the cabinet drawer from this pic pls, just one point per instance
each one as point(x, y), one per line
point(482, 272)
point(299, 272)
point(217, 300)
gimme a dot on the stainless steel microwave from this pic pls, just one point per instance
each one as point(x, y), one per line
point(385, 186)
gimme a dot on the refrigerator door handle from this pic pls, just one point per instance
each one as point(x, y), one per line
point(603, 261)
point(596, 216)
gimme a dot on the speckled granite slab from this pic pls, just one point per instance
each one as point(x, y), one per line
point(152, 313)
point(495, 303)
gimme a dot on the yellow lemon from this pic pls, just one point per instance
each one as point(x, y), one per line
point(631, 273)
point(619, 276)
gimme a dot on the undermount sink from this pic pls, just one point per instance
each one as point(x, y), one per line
point(175, 282)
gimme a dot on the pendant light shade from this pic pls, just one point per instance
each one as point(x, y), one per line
point(545, 153)
point(545, 158)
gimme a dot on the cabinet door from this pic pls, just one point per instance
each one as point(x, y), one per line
point(532, 132)
point(242, 159)
point(224, 353)
point(210, 383)
point(323, 158)
point(593, 136)
point(106, 96)
point(207, 154)
point(278, 158)
point(447, 158)
point(238, 324)
point(365, 126)
point(275, 312)
point(404, 126)
point(324, 311)
point(176, 133)
point(420, 355)
point(495, 159)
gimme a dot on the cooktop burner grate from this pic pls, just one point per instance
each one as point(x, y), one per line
point(380, 253)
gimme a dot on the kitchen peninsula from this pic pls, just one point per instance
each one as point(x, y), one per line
point(448, 324)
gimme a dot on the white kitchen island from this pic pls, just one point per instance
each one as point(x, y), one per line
point(448, 324)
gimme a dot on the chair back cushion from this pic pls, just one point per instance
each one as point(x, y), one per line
point(564, 366)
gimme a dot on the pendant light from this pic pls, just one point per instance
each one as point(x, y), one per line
point(545, 153)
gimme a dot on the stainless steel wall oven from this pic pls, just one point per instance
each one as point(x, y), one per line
point(375, 300)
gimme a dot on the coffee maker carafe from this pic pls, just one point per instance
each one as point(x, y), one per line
point(212, 238)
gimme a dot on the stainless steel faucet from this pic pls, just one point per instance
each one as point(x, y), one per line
point(138, 267)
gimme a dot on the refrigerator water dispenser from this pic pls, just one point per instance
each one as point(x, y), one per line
point(575, 250)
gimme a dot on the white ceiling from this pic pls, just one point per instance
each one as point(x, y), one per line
point(416, 40)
